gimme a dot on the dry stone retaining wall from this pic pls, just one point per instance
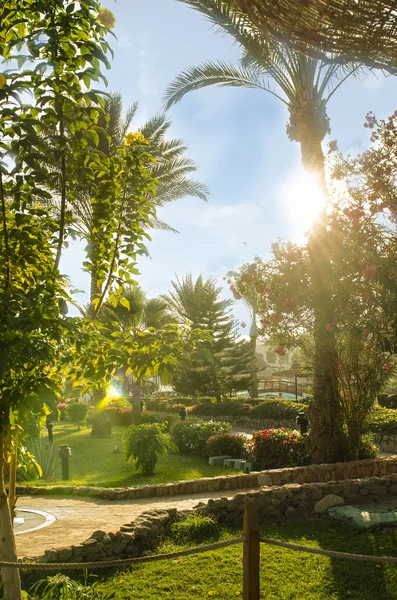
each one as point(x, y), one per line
point(274, 503)
point(387, 443)
point(309, 474)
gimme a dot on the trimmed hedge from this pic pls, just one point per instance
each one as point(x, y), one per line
point(277, 410)
point(157, 417)
point(191, 436)
point(272, 410)
point(230, 444)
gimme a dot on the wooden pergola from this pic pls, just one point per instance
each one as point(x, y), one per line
point(338, 30)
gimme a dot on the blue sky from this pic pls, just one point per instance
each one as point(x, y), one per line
point(236, 136)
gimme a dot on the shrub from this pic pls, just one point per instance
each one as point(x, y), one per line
point(144, 444)
point(45, 456)
point(232, 444)
point(173, 408)
point(152, 417)
point(62, 587)
point(61, 406)
point(195, 529)
point(206, 399)
point(191, 436)
point(367, 448)
point(101, 425)
point(277, 410)
point(387, 401)
point(277, 448)
point(220, 409)
point(181, 400)
point(77, 413)
point(154, 404)
point(382, 420)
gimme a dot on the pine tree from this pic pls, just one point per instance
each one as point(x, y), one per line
point(216, 368)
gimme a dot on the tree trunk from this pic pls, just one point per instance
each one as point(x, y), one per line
point(12, 496)
point(10, 577)
point(326, 439)
point(254, 390)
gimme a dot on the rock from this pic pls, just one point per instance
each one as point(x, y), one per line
point(328, 502)
point(65, 553)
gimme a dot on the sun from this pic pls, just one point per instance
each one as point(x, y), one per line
point(302, 200)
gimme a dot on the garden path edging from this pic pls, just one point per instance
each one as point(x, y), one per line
point(309, 474)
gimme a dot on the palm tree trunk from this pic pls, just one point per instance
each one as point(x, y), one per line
point(326, 439)
point(254, 390)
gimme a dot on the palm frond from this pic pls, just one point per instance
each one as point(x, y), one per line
point(214, 73)
point(182, 187)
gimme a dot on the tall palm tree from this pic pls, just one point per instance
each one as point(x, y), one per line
point(303, 84)
point(171, 168)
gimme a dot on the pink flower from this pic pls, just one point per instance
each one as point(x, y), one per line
point(280, 350)
point(386, 367)
point(369, 272)
point(329, 327)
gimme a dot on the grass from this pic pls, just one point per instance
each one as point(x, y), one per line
point(93, 462)
point(285, 575)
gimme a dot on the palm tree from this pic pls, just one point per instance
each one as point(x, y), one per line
point(171, 168)
point(138, 311)
point(303, 84)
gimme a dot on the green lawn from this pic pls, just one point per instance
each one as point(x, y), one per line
point(93, 462)
point(285, 575)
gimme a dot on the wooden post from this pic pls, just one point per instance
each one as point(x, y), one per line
point(251, 552)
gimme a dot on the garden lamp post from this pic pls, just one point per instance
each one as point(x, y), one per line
point(64, 453)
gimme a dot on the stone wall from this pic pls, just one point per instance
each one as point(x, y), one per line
point(308, 499)
point(273, 503)
point(386, 443)
point(132, 540)
point(309, 474)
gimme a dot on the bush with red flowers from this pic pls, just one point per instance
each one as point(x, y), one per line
point(278, 448)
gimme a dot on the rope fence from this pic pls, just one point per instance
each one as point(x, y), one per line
point(251, 541)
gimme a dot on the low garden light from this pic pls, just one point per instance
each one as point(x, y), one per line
point(182, 413)
point(64, 453)
point(302, 423)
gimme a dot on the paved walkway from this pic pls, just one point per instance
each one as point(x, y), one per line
point(78, 518)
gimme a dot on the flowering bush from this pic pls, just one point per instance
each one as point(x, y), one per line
point(232, 444)
point(277, 448)
point(191, 436)
point(61, 406)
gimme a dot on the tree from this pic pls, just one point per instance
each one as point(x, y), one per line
point(170, 168)
point(305, 86)
point(220, 365)
point(361, 284)
point(64, 44)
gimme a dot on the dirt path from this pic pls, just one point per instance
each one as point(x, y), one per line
point(78, 518)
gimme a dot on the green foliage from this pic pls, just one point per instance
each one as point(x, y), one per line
point(387, 401)
point(101, 425)
point(367, 447)
point(230, 409)
point(205, 399)
point(277, 410)
point(278, 448)
point(195, 529)
point(231, 444)
point(144, 444)
point(156, 417)
point(62, 587)
point(266, 409)
point(221, 363)
point(382, 420)
point(46, 456)
point(192, 435)
point(77, 413)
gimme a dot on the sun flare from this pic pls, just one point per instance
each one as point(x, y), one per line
point(302, 200)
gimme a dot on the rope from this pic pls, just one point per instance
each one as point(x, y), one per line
point(331, 553)
point(103, 564)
